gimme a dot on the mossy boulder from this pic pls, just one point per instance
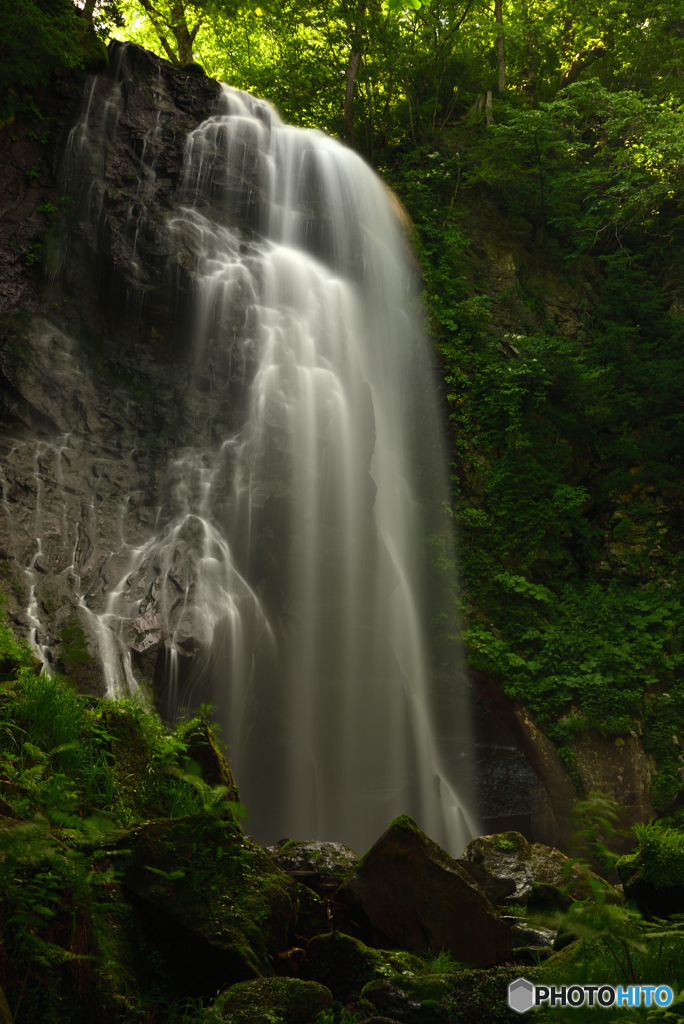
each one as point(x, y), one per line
point(545, 898)
point(342, 963)
point(509, 857)
point(312, 914)
point(271, 1001)
point(203, 749)
point(211, 899)
point(323, 866)
point(653, 875)
point(392, 1000)
point(345, 964)
point(458, 996)
point(407, 892)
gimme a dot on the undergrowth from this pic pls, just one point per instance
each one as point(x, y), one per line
point(76, 776)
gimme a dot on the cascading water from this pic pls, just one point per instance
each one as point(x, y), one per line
point(289, 557)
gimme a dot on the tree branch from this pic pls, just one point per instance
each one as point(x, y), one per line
point(195, 30)
point(583, 59)
point(153, 15)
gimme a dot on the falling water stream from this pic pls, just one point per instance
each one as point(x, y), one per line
point(290, 558)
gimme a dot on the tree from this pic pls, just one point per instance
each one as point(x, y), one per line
point(178, 22)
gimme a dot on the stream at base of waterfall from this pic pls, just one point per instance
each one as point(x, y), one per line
point(287, 576)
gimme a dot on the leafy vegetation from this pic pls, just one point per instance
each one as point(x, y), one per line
point(76, 776)
point(567, 433)
point(39, 37)
point(613, 943)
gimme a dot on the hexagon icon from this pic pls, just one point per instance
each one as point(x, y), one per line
point(521, 995)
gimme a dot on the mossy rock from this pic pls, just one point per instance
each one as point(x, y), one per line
point(342, 963)
point(205, 751)
point(392, 999)
point(461, 996)
point(628, 866)
point(272, 1001)
point(323, 866)
point(509, 857)
point(653, 874)
point(212, 900)
point(312, 914)
point(408, 893)
point(545, 898)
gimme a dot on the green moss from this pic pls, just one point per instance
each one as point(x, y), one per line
point(74, 650)
point(628, 866)
point(505, 841)
point(217, 882)
point(272, 1001)
point(660, 857)
point(342, 963)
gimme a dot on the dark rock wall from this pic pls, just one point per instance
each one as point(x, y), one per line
point(97, 384)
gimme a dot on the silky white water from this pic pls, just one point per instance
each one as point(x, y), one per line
point(289, 562)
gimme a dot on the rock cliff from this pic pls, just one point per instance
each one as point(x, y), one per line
point(98, 386)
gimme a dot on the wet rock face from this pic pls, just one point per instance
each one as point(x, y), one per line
point(621, 769)
point(322, 866)
point(99, 392)
point(415, 896)
point(509, 861)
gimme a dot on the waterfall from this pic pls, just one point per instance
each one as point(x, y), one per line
point(287, 578)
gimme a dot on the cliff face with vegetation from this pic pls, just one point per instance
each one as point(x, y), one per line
point(562, 355)
point(548, 232)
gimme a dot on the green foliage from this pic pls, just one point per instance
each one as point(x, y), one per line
point(38, 37)
point(75, 776)
point(566, 449)
point(661, 854)
point(613, 943)
point(594, 164)
point(338, 1014)
point(442, 963)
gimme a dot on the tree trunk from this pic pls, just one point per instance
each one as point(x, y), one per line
point(489, 113)
point(153, 14)
point(181, 33)
point(583, 59)
point(352, 72)
point(531, 58)
point(500, 48)
point(88, 10)
point(371, 117)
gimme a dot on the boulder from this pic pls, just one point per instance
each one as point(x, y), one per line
point(204, 750)
point(619, 768)
point(391, 999)
point(342, 963)
point(322, 866)
point(653, 875)
point(312, 914)
point(509, 857)
point(410, 893)
point(450, 996)
point(285, 1000)
point(210, 899)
